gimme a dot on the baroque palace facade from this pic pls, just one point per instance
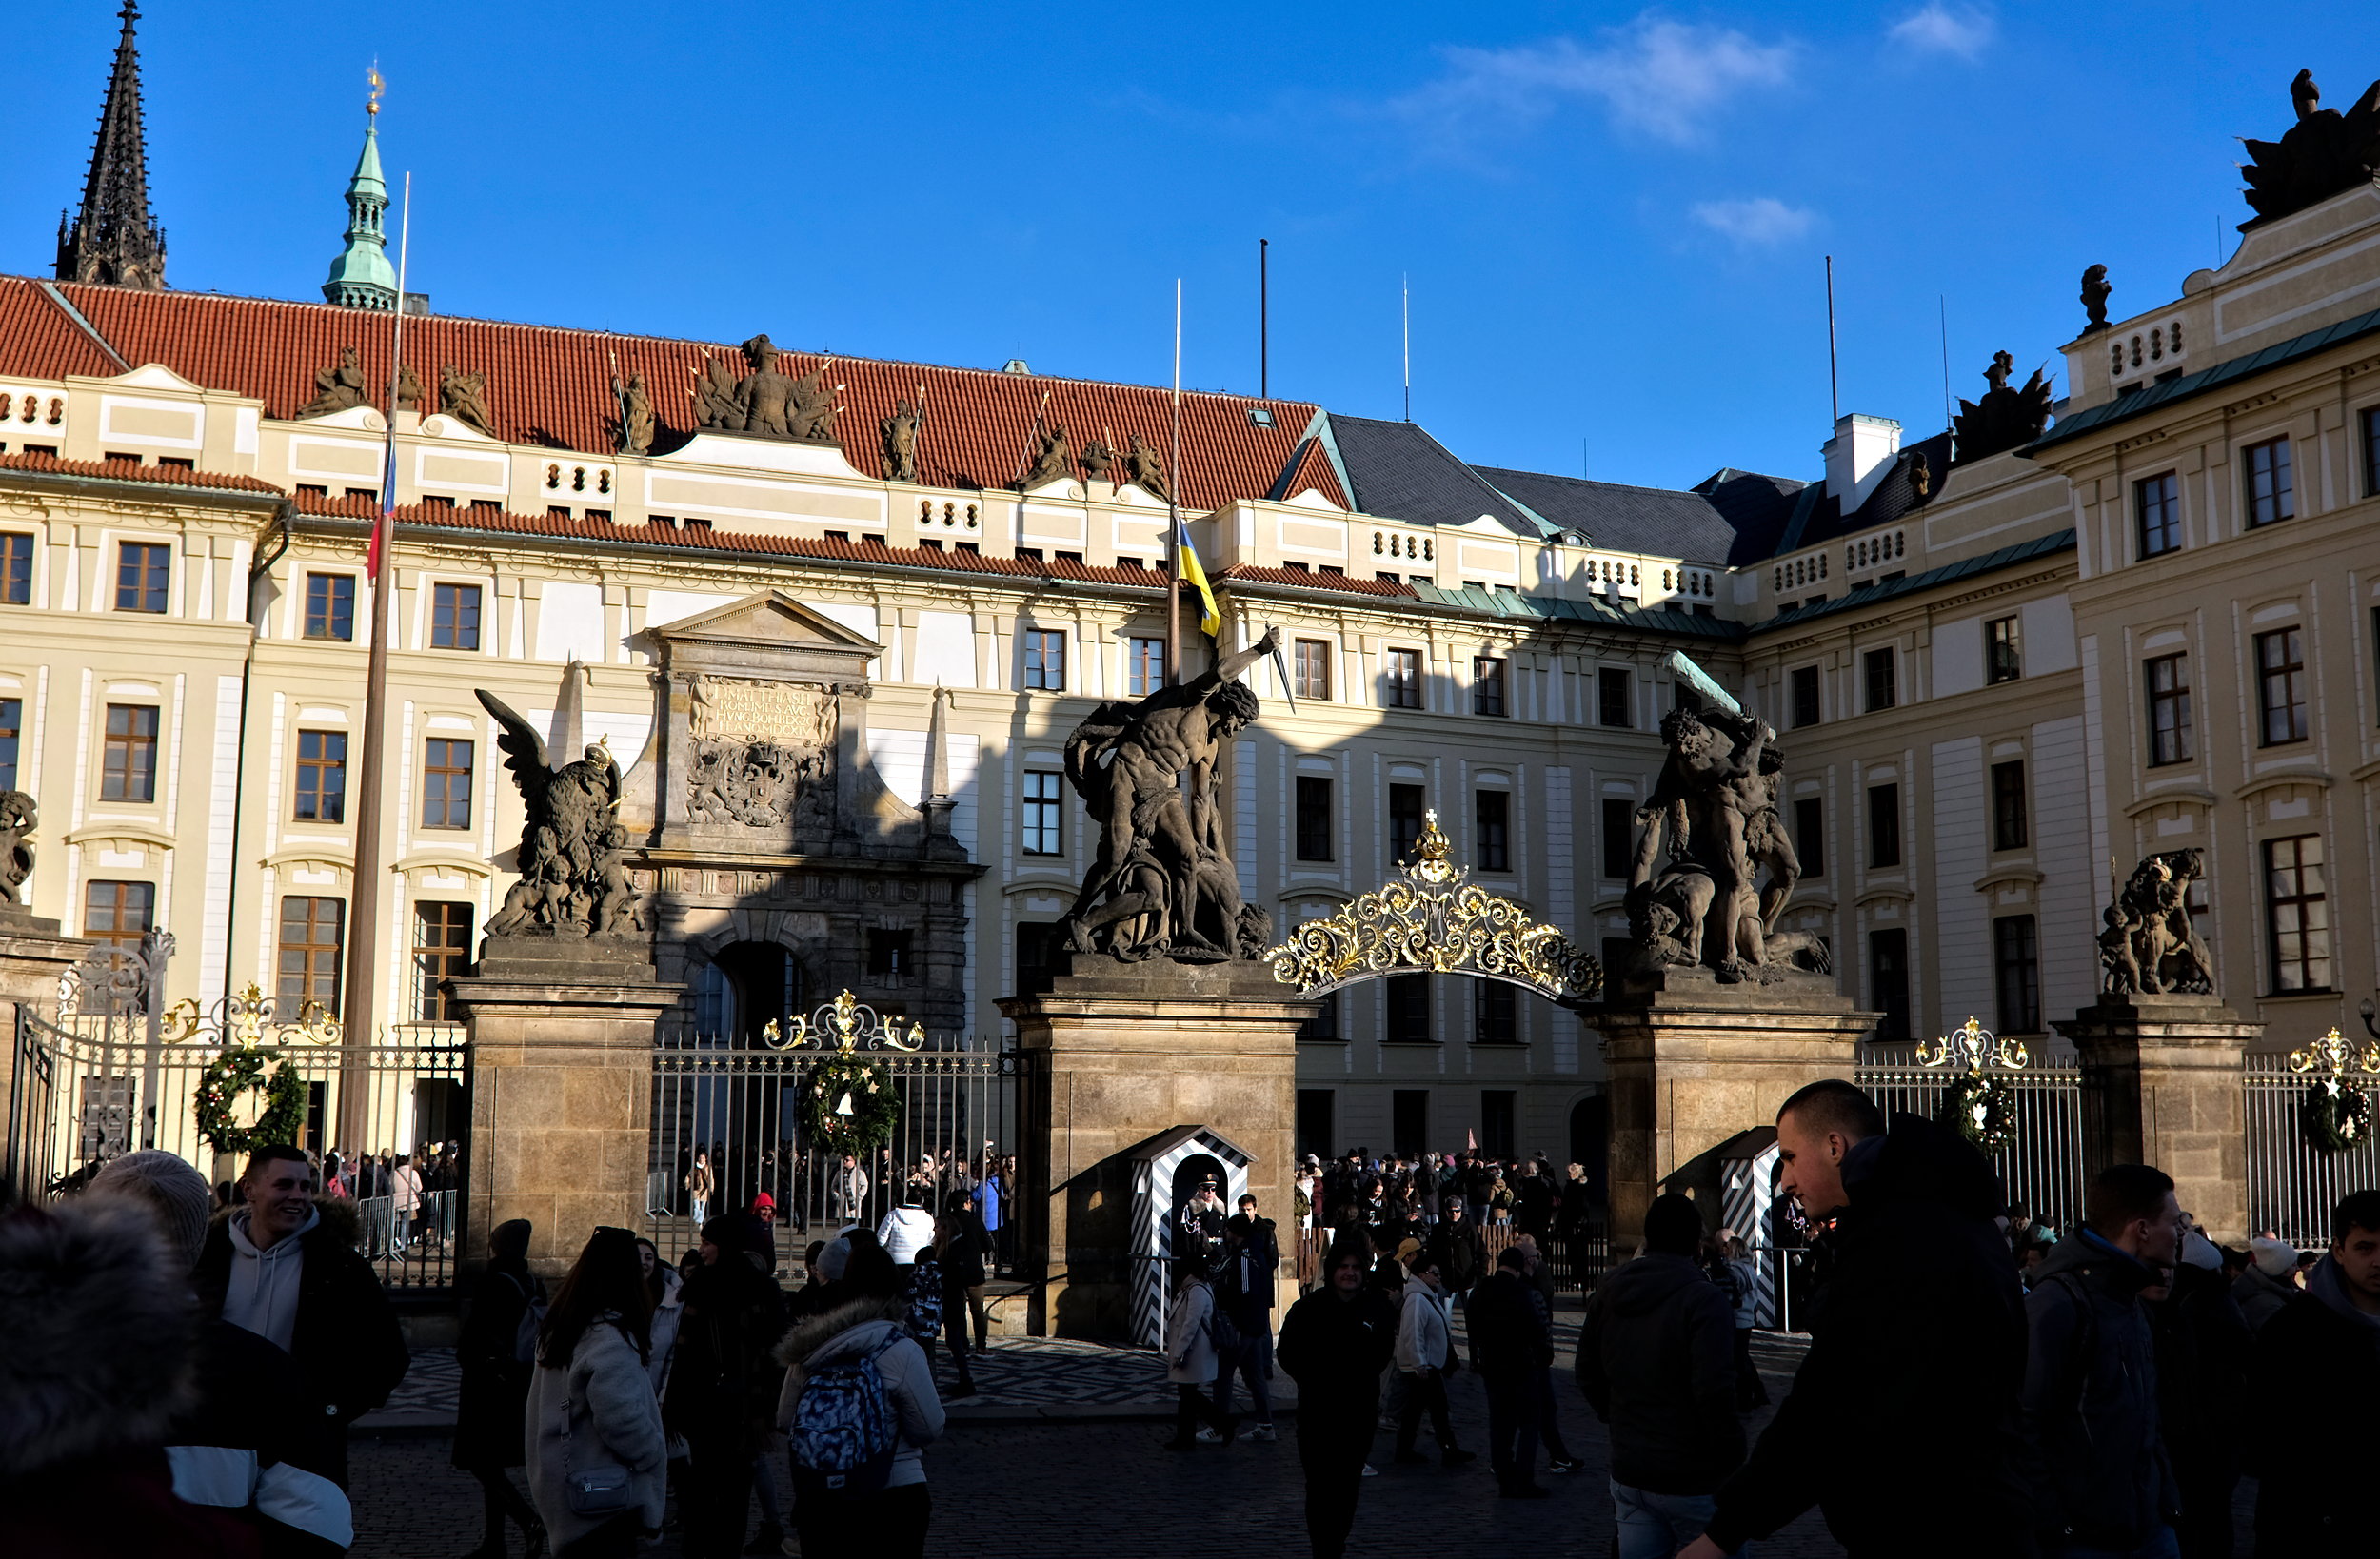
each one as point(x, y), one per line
point(836, 616)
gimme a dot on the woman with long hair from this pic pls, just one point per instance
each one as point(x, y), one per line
point(597, 1457)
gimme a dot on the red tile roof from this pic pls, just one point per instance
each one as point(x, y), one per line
point(1316, 581)
point(553, 387)
point(132, 471)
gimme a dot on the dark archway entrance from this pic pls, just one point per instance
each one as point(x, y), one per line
point(745, 986)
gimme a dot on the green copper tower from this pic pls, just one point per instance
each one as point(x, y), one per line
point(362, 277)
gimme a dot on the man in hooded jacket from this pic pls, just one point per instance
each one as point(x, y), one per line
point(2319, 1358)
point(1902, 1421)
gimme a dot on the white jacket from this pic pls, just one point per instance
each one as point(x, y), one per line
point(1189, 1352)
point(605, 1401)
point(1425, 1331)
point(904, 1233)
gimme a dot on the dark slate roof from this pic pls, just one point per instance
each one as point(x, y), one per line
point(1756, 507)
point(1399, 473)
point(2140, 402)
point(1655, 520)
point(2007, 557)
point(1891, 499)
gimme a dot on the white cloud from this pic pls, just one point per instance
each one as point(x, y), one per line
point(1658, 77)
point(1944, 29)
point(1760, 221)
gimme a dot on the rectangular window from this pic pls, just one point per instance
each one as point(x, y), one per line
point(2297, 914)
point(1883, 691)
point(2158, 509)
point(1314, 668)
point(322, 777)
point(454, 616)
point(129, 763)
point(1887, 981)
point(1315, 818)
point(2017, 973)
point(142, 571)
point(1408, 1121)
point(1405, 1000)
point(1046, 660)
point(1405, 806)
point(2169, 736)
point(889, 954)
point(1038, 956)
point(1045, 813)
point(1487, 685)
point(119, 914)
point(2371, 452)
point(1144, 666)
point(1315, 1122)
point(1324, 1025)
point(2281, 686)
point(1805, 693)
point(1492, 811)
point(312, 933)
point(1499, 1122)
point(2271, 493)
point(1402, 674)
point(1611, 700)
point(16, 568)
point(446, 784)
point(11, 734)
point(1495, 1014)
point(1810, 834)
point(330, 606)
point(1884, 826)
point(1619, 835)
point(442, 949)
point(2008, 805)
point(2003, 650)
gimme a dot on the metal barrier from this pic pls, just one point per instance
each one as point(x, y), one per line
point(2043, 1167)
point(2292, 1185)
point(740, 1108)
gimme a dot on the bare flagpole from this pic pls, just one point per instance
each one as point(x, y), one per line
point(1172, 508)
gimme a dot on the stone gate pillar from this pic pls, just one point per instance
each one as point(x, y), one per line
point(1124, 1052)
point(1695, 1062)
point(2162, 1079)
point(33, 957)
point(561, 1059)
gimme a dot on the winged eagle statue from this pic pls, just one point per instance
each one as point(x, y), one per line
point(574, 875)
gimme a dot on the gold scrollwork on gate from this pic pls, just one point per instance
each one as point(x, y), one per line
point(1433, 921)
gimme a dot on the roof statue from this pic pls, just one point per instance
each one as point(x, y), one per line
point(900, 441)
point(18, 816)
point(635, 415)
point(1055, 459)
point(2147, 943)
point(410, 392)
point(1920, 476)
point(1150, 775)
point(1099, 459)
point(2004, 418)
point(764, 402)
point(2324, 154)
point(113, 239)
point(338, 387)
point(574, 876)
point(2094, 298)
point(464, 397)
point(1148, 471)
point(1713, 813)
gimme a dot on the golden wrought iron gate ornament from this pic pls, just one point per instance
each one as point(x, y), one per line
point(1435, 922)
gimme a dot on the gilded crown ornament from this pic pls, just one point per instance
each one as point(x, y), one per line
point(846, 1024)
point(2335, 1113)
point(1980, 1102)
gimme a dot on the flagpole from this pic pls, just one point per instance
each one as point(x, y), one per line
point(1173, 512)
point(358, 995)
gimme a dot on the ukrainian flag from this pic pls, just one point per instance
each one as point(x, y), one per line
point(1189, 568)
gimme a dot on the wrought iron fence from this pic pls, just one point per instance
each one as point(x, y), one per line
point(116, 1070)
point(2042, 1166)
point(739, 1107)
point(2293, 1184)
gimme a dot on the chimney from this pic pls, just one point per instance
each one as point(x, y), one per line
point(1857, 457)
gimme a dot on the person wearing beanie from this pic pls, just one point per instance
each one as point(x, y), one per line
point(2270, 1282)
point(244, 1443)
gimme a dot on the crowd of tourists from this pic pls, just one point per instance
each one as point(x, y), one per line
point(801, 1190)
point(1977, 1382)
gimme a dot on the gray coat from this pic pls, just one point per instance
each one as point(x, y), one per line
point(605, 1399)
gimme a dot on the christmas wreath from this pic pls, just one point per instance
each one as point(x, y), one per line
point(849, 1106)
point(2335, 1115)
point(1982, 1109)
point(234, 1073)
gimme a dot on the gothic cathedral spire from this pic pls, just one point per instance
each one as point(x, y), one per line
point(361, 277)
point(113, 239)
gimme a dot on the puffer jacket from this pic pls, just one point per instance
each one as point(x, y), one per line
point(1657, 1361)
point(2100, 1475)
point(854, 1328)
point(598, 1410)
point(1425, 1331)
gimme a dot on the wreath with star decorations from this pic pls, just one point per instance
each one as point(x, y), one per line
point(875, 1106)
point(237, 1070)
point(2335, 1115)
point(1981, 1110)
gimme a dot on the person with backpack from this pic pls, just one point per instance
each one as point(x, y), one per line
point(493, 1394)
point(858, 1408)
point(1198, 1337)
point(597, 1457)
point(723, 1385)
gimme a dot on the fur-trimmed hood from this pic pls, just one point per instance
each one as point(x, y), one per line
point(99, 1328)
point(808, 1336)
point(338, 1219)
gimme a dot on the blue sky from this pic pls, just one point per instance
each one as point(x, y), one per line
point(1614, 218)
